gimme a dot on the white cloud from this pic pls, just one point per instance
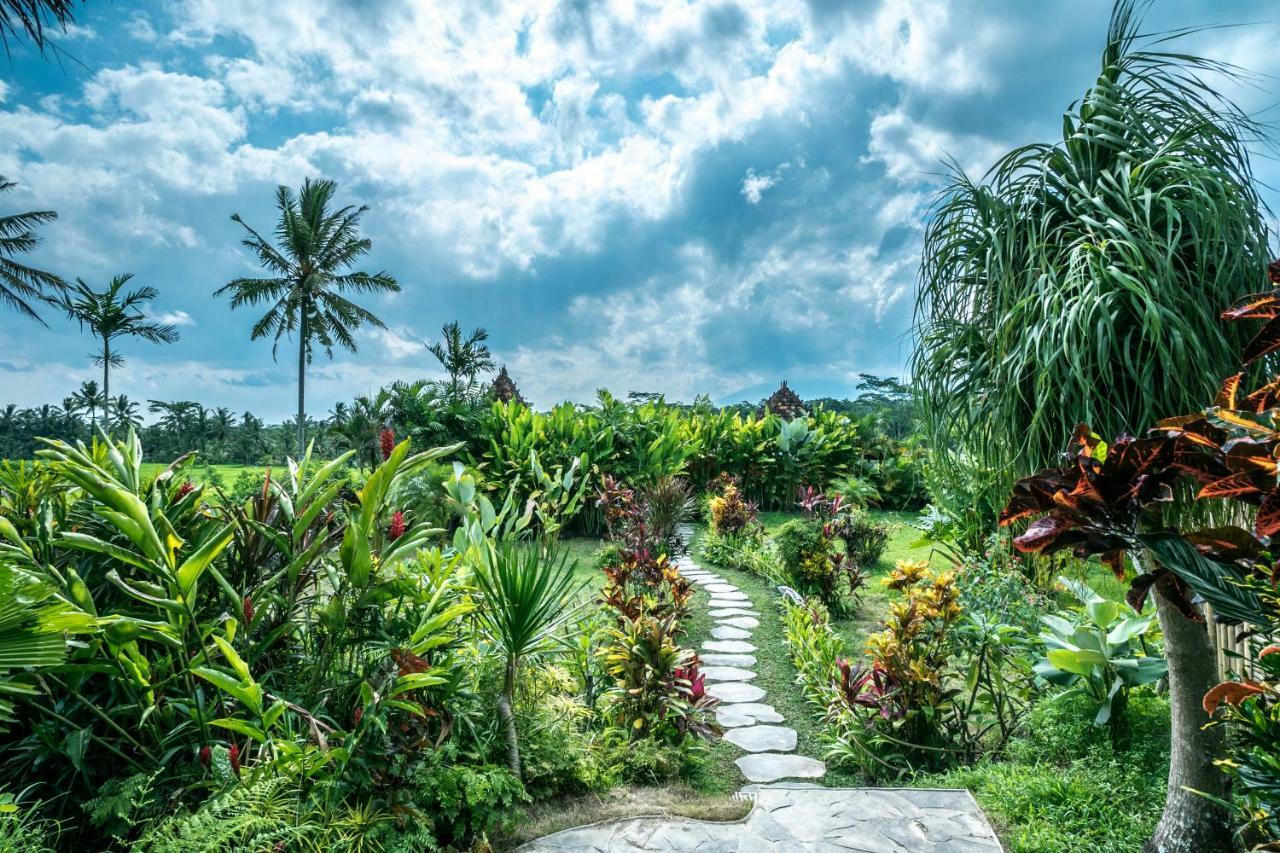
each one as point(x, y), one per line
point(174, 318)
point(912, 151)
point(399, 343)
point(753, 185)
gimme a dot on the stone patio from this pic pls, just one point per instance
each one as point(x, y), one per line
point(789, 817)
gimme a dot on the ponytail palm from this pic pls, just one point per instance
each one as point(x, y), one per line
point(309, 283)
point(1082, 282)
point(1098, 262)
point(526, 595)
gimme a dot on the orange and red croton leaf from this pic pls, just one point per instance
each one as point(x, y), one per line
point(1255, 306)
point(1231, 692)
point(1226, 398)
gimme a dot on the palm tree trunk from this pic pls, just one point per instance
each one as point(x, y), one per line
point(1191, 823)
point(106, 383)
point(506, 713)
point(302, 383)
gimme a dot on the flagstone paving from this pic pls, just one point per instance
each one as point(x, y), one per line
point(797, 817)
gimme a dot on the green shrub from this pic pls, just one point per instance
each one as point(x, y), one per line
point(1067, 787)
point(864, 539)
point(465, 802)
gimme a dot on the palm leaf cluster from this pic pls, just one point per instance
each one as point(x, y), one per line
point(31, 18)
point(21, 285)
point(306, 291)
point(1081, 281)
point(110, 314)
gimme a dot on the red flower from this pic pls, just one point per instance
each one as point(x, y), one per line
point(397, 526)
point(248, 610)
point(387, 442)
point(234, 754)
point(358, 715)
point(185, 489)
point(205, 755)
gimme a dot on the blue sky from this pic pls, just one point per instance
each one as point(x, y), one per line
point(649, 195)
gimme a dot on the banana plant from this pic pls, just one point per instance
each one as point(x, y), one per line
point(1100, 655)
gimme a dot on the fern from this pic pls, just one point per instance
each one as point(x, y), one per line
point(253, 816)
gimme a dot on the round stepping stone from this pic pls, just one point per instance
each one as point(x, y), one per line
point(720, 588)
point(727, 660)
point(732, 647)
point(772, 766)
point(746, 622)
point(763, 738)
point(727, 673)
point(718, 603)
point(732, 611)
point(736, 595)
point(746, 714)
point(727, 633)
point(735, 691)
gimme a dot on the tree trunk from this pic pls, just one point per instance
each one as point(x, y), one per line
point(302, 383)
point(106, 385)
point(1191, 823)
point(506, 713)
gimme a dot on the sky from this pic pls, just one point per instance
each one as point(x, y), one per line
point(645, 195)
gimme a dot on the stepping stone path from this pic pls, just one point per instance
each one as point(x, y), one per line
point(728, 659)
point(790, 816)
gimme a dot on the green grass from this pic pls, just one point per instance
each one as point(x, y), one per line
point(227, 473)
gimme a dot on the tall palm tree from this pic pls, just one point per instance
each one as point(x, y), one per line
point(1081, 282)
point(308, 284)
point(462, 357)
point(111, 315)
point(20, 285)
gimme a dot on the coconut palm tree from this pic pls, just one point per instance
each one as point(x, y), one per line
point(21, 285)
point(109, 315)
point(308, 284)
point(1081, 282)
point(87, 399)
point(462, 357)
point(123, 414)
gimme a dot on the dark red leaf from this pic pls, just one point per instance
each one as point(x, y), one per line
point(1175, 592)
point(1141, 586)
point(1268, 521)
point(1042, 533)
point(1266, 397)
point(1225, 543)
point(1233, 486)
point(1265, 342)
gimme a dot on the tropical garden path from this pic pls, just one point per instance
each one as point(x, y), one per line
point(785, 816)
point(728, 665)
